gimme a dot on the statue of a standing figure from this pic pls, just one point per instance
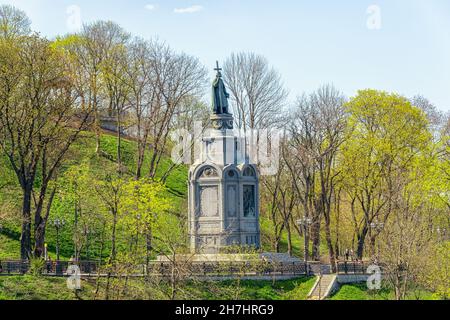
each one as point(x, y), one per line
point(220, 94)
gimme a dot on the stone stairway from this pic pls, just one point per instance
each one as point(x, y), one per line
point(323, 287)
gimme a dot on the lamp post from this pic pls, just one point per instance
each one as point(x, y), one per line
point(304, 223)
point(58, 224)
point(45, 252)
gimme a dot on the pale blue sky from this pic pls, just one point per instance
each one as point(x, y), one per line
point(309, 42)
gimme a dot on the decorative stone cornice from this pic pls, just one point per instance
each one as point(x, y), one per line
point(222, 121)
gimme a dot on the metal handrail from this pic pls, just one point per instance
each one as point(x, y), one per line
point(59, 268)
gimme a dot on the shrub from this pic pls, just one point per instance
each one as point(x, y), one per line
point(37, 266)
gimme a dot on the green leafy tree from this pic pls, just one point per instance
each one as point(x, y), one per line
point(387, 134)
point(436, 275)
point(37, 106)
point(143, 204)
point(170, 242)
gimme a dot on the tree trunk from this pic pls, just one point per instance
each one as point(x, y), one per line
point(289, 239)
point(330, 243)
point(75, 234)
point(398, 294)
point(119, 143)
point(306, 245)
point(337, 247)
point(97, 129)
point(152, 170)
point(39, 236)
point(39, 233)
point(338, 219)
point(25, 239)
point(140, 161)
point(276, 245)
point(315, 236)
point(102, 245)
point(148, 240)
point(40, 223)
point(373, 251)
point(112, 258)
point(173, 283)
point(361, 242)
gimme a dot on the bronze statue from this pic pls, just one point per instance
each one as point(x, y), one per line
point(220, 94)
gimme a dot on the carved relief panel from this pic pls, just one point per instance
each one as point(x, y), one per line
point(209, 201)
point(231, 201)
point(249, 201)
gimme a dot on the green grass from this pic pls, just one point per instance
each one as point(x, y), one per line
point(51, 288)
point(359, 291)
point(296, 289)
point(176, 182)
point(41, 288)
point(9, 248)
point(48, 288)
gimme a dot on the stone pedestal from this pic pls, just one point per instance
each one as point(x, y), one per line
point(223, 192)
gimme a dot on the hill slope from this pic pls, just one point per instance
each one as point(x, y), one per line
point(82, 152)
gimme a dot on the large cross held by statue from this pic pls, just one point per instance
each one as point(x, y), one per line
point(218, 69)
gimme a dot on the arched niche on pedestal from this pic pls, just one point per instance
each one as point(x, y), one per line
point(208, 191)
point(231, 178)
point(249, 183)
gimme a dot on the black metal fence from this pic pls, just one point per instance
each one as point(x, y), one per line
point(14, 267)
point(60, 268)
point(347, 267)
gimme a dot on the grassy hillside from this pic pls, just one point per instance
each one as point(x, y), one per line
point(296, 289)
point(50, 288)
point(41, 288)
point(47, 288)
point(359, 291)
point(83, 152)
point(9, 247)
